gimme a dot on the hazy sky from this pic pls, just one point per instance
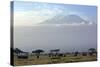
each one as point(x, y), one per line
point(65, 37)
point(30, 13)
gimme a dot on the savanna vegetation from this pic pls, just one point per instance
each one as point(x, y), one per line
point(54, 56)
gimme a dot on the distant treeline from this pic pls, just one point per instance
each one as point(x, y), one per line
point(53, 53)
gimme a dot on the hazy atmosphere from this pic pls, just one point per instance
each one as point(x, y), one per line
point(54, 26)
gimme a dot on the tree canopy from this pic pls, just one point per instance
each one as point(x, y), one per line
point(38, 51)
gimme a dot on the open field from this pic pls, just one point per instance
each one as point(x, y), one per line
point(33, 60)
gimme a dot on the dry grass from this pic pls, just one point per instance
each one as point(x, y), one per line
point(46, 60)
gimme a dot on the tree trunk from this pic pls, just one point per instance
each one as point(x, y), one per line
point(38, 56)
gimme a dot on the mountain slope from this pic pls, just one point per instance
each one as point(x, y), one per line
point(61, 19)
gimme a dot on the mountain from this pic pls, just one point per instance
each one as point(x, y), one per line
point(65, 19)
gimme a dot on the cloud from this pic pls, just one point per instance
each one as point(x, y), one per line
point(27, 18)
point(66, 25)
point(31, 17)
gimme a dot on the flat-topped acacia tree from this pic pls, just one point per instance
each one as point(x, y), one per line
point(17, 50)
point(38, 52)
point(92, 51)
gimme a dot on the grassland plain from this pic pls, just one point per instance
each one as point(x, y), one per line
point(44, 59)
